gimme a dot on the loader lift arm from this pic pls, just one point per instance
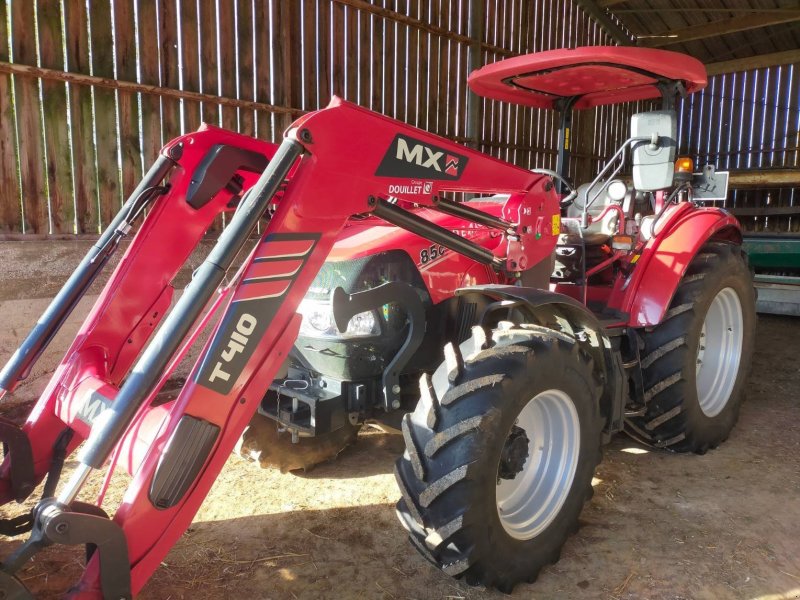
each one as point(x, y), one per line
point(333, 164)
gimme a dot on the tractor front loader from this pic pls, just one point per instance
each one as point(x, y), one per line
point(617, 306)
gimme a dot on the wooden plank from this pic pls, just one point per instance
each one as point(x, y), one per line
point(245, 39)
point(335, 49)
point(352, 66)
point(767, 178)
point(29, 123)
point(440, 74)
point(190, 59)
point(781, 116)
point(716, 28)
point(591, 8)
point(758, 61)
point(105, 113)
point(10, 201)
point(323, 59)
point(172, 117)
point(208, 63)
point(411, 39)
point(54, 121)
point(364, 58)
point(792, 132)
point(152, 132)
point(287, 59)
point(306, 74)
point(423, 74)
point(388, 89)
point(154, 90)
point(376, 66)
point(130, 140)
point(84, 153)
point(766, 211)
point(421, 23)
point(263, 77)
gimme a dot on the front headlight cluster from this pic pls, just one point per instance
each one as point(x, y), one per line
point(318, 321)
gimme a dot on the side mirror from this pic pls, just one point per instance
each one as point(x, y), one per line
point(654, 163)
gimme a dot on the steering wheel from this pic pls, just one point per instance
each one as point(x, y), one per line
point(573, 193)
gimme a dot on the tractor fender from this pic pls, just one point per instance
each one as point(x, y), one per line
point(565, 314)
point(664, 260)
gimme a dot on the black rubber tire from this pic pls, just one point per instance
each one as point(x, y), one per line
point(673, 417)
point(449, 472)
point(262, 444)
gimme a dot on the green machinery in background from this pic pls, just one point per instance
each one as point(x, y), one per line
point(776, 260)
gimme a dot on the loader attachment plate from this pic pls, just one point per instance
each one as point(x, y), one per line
point(588, 77)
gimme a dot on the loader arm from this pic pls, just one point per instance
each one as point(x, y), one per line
point(333, 164)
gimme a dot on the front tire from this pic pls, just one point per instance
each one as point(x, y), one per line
point(501, 451)
point(695, 362)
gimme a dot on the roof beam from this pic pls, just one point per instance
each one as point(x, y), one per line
point(717, 28)
point(591, 8)
point(607, 3)
point(765, 178)
point(759, 61)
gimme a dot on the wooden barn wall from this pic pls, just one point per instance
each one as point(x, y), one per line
point(91, 89)
point(749, 121)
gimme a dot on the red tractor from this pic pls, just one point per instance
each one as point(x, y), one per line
point(562, 315)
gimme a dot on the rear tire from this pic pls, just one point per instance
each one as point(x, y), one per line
point(695, 362)
point(264, 444)
point(501, 451)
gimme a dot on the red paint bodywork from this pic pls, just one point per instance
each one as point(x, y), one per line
point(326, 187)
point(665, 258)
point(333, 181)
point(597, 74)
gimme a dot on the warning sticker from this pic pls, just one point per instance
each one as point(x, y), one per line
point(556, 224)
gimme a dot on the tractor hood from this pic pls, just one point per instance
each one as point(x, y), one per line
point(593, 76)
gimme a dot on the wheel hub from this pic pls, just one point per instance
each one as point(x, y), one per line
point(719, 352)
point(537, 464)
point(514, 454)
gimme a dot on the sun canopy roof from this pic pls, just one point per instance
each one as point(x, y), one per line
point(596, 75)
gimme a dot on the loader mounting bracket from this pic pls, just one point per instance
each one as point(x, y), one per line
point(346, 306)
point(17, 445)
point(217, 171)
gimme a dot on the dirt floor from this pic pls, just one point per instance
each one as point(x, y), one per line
point(723, 525)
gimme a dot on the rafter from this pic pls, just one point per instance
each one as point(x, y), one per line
point(759, 61)
point(593, 9)
point(717, 28)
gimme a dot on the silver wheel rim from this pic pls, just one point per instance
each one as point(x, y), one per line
point(528, 503)
point(719, 352)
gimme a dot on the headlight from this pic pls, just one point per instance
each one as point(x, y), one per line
point(318, 321)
